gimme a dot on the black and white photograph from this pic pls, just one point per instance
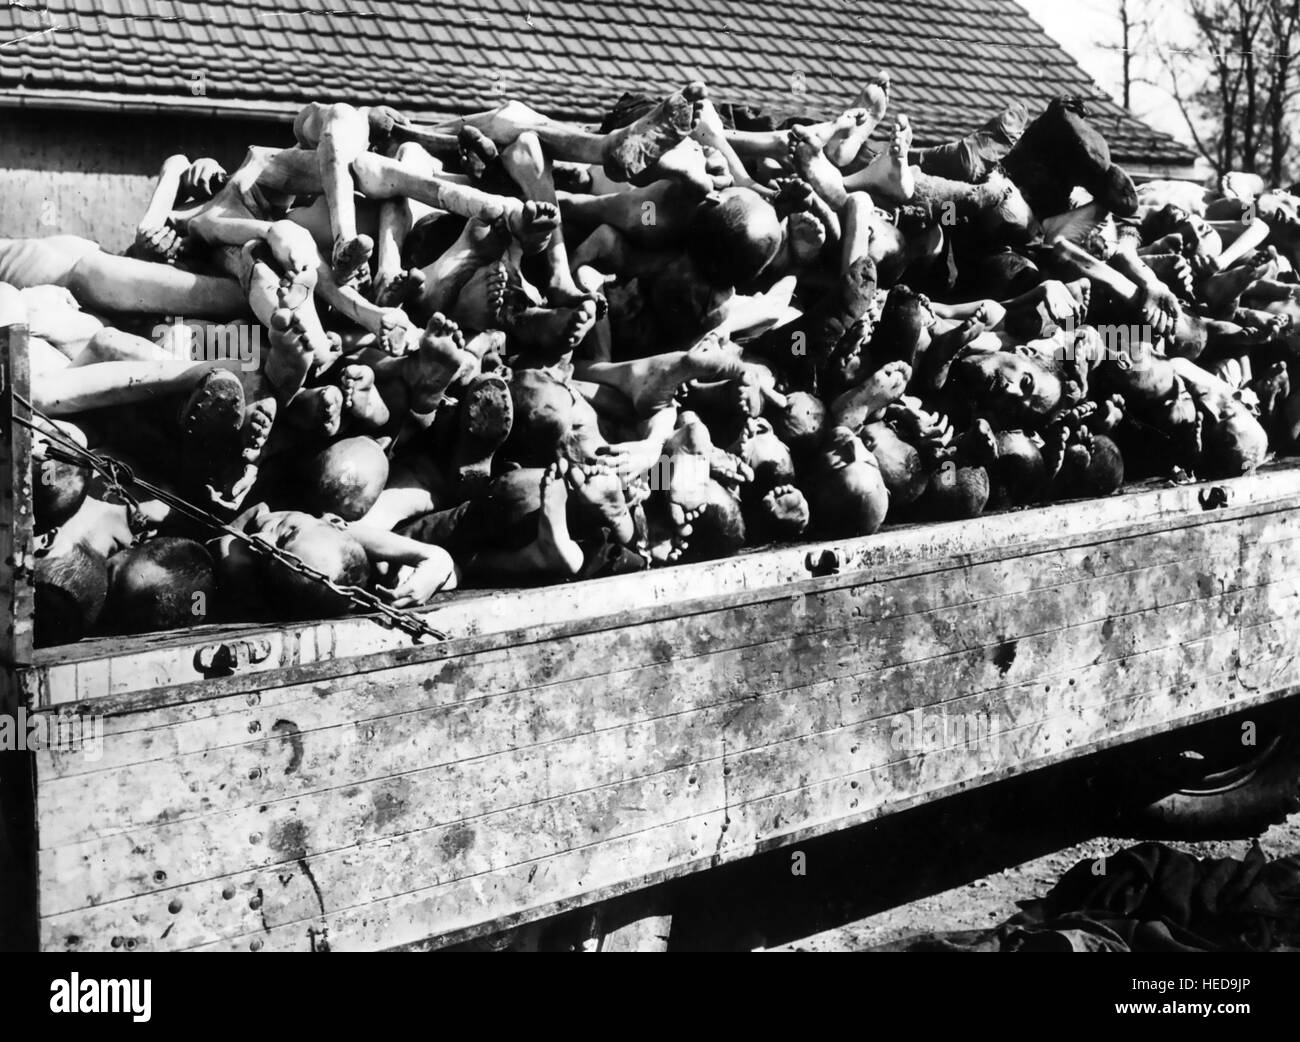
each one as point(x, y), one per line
point(696, 476)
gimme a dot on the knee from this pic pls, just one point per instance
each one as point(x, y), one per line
point(78, 281)
point(109, 344)
point(412, 154)
point(258, 153)
point(345, 126)
point(307, 124)
point(526, 149)
point(101, 346)
point(860, 204)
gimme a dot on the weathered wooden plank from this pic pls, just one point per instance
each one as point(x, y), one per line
point(917, 777)
point(101, 668)
point(16, 522)
point(107, 869)
point(18, 899)
point(601, 869)
point(844, 745)
point(296, 759)
point(175, 730)
point(979, 580)
point(297, 890)
point(835, 803)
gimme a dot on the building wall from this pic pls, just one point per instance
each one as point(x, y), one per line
point(91, 174)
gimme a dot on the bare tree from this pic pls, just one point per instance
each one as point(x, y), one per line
point(1135, 26)
point(1283, 27)
point(1239, 112)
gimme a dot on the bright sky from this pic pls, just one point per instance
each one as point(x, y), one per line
point(1090, 31)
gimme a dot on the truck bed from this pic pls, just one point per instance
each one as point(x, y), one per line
point(333, 785)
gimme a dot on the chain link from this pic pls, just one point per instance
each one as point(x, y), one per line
point(118, 474)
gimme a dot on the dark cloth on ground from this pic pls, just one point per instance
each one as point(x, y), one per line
point(1150, 897)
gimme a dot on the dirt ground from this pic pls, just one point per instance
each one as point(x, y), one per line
point(989, 900)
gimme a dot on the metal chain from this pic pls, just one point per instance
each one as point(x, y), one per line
point(118, 474)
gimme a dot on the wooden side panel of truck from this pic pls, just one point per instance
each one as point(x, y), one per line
point(334, 785)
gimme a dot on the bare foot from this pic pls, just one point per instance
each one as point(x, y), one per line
point(485, 418)
point(1222, 291)
point(671, 537)
point(631, 460)
point(566, 293)
point(860, 405)
point(258, 421)
point(632, 152)
point(479, 157)
point(317, 411)
point(809, 159)
point(601, 490)
point(891, 176)
point(1174, 271)
point(844, 369)
point(689, 453)
point(805, 237)
point(687, 163)
point(655, 380)
point(214, 413)
point(440, 361)
point(945, 346)
point(728, 469)
point(292, 353)
point(872, 102)
point(395, 291)
point(232, 484)
point(793, 195)
point(478, 304)
point(559, 553)
point(814, 205)
point(361, 401)
point(852, 129)
point(1268, 325)
point(292, 247)
point(783, 513)
point(1174, 242)
point(531, 223)
point(350, 261)
point(548, 332)
point(688, 492)
point(1221, 335)
point(298, 338)
point(1049, 306)
point(396, 332)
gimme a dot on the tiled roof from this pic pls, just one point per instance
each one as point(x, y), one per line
point(954, 62)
